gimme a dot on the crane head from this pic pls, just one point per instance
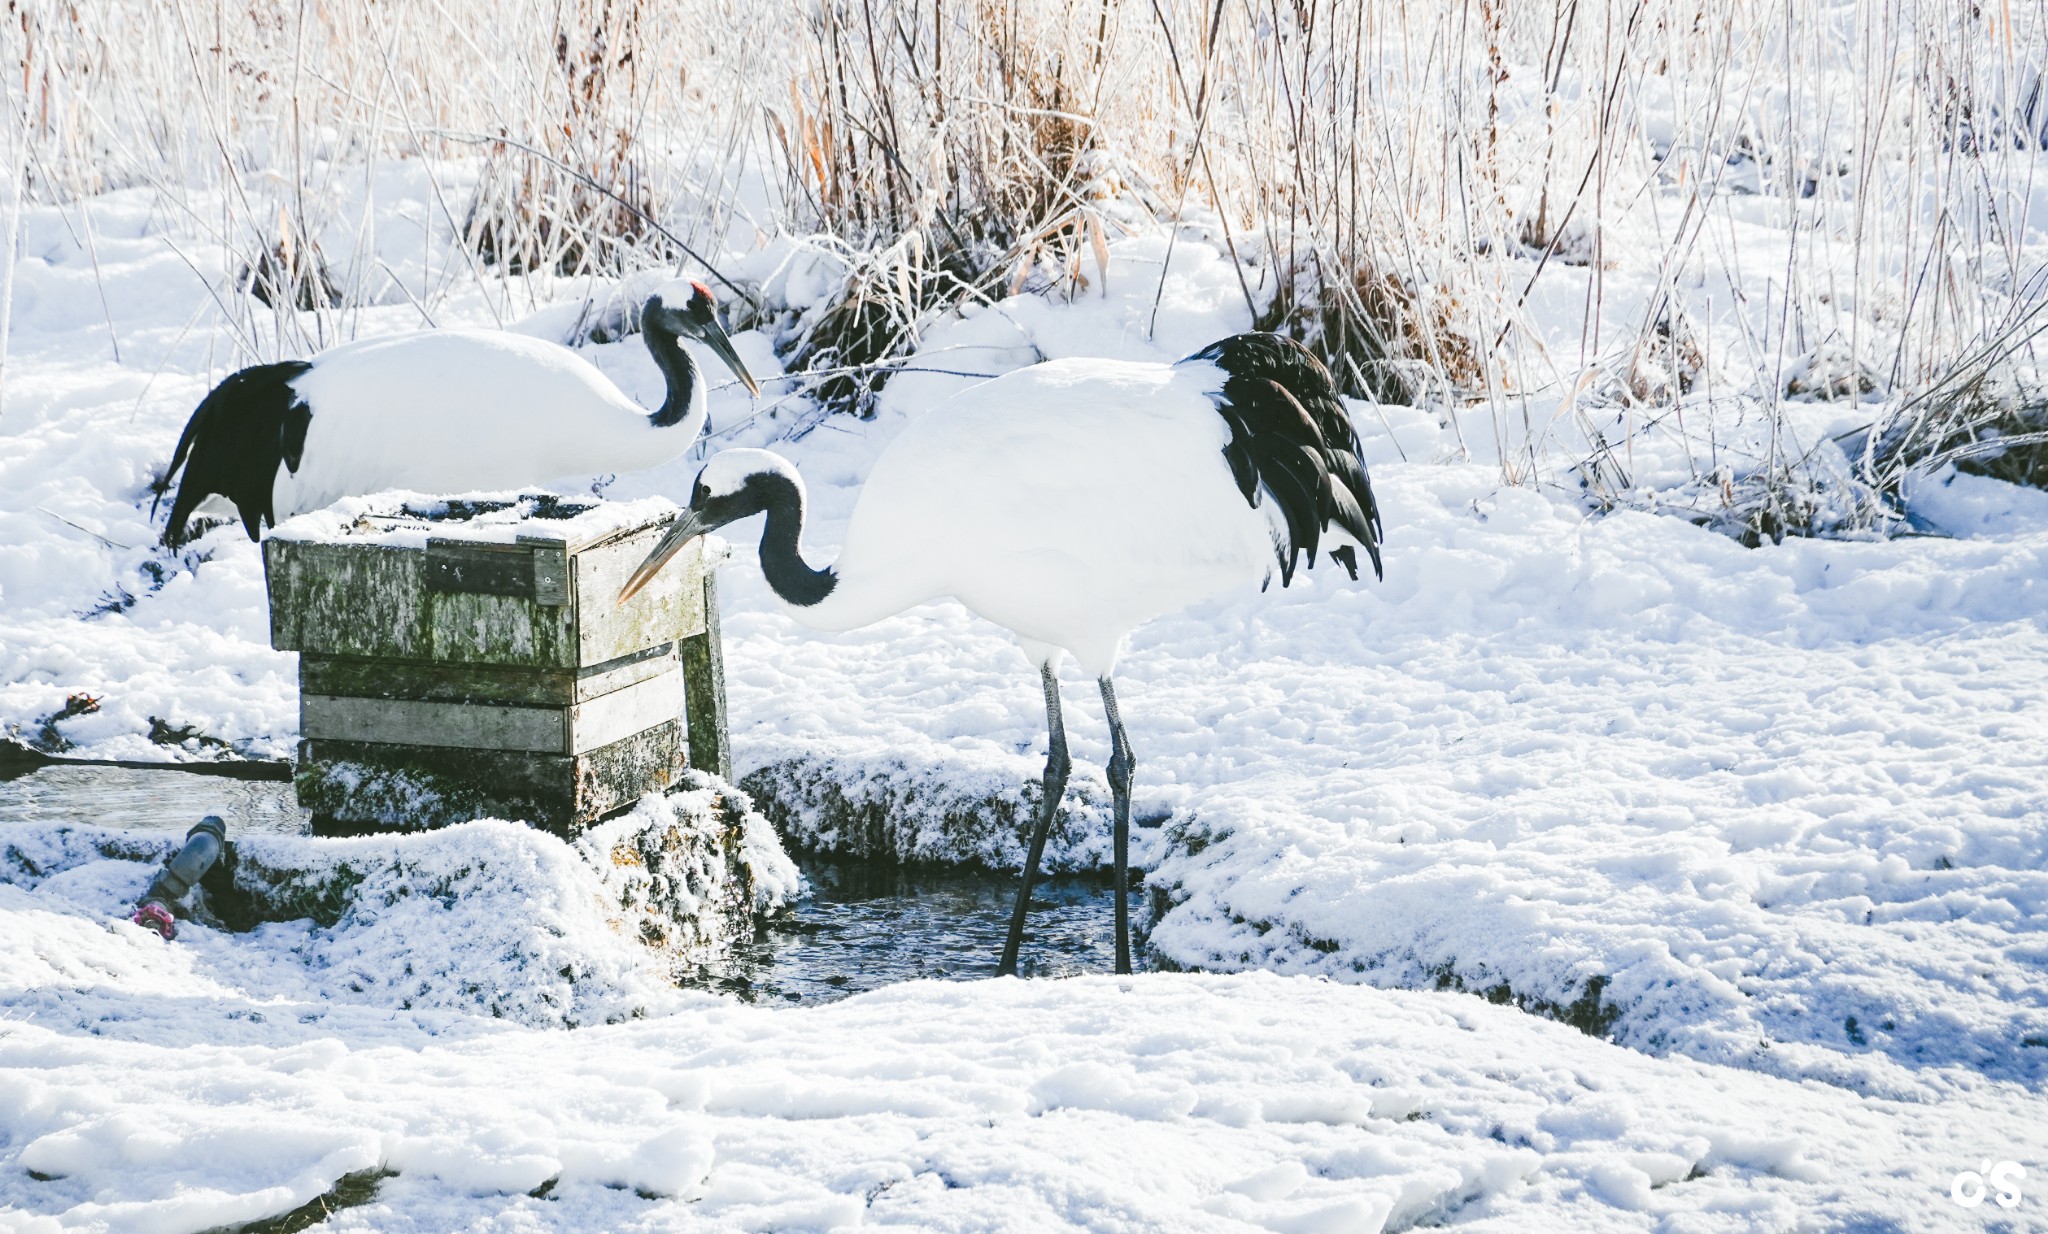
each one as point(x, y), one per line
point(695, 316)
point(733, 485)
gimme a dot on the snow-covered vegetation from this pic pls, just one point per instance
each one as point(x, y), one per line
point(1753, 261)
point(1751, 838)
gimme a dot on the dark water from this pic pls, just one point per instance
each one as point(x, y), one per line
point(865, 924)
point(868, 924)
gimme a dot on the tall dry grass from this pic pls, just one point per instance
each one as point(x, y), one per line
point(1613, 223)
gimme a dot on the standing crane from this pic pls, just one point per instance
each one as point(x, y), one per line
point(1072, 502)
point(439, 411)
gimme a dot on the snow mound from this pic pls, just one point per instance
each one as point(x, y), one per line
point(483, 918)
point(1150, 1103)
point(688, 868)
point(888, 808)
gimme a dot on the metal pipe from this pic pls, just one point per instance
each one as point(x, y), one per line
point(180, 874)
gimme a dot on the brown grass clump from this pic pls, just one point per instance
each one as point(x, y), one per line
point(1987, 414)
point(952, 151)
point(572, 199)
point(291, 273)
point(1384, 337)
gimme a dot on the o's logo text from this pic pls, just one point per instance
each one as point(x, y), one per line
point(2001, 1182)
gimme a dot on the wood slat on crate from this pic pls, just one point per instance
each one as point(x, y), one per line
point(703, 662)
point(433, 786)
point(610, 717)
point(608, 629)
point(574, 729)
point(357, 677)
point(484, 569)
point(401, 721)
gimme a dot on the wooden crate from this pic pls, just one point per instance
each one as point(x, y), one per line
point(459, 659)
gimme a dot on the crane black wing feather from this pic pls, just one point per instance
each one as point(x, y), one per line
point(240, 434)
point(1290, 437)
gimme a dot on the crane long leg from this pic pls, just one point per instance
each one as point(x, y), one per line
point(1057, 765)
point(1121, 764)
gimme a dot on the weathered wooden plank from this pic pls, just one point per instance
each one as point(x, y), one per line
point(345, 599)
point(550, 576)
point(668, 608)
point(486, 569)
point(405, 721)
point(703, 662)
point(493, 726)
point(360, 677)
point(611, 778)
point(372, 601)
point(620, 714)
point(434, 786)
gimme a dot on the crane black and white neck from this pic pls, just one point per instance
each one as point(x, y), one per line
point(1072, 502)
point(439, 411)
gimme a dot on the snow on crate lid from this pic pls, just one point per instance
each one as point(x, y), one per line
point(401, 519)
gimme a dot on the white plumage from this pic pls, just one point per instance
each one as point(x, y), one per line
point(1072, 502)
point(438, 411)
point(532, 405)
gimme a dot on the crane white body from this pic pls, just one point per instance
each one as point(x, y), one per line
point(531, 410)
point(1070, 502)
point(438, 411)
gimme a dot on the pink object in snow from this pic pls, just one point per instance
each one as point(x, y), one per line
point(158, 918)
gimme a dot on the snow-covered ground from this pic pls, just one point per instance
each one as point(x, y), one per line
point(1160, 1102)
point(1773, 821)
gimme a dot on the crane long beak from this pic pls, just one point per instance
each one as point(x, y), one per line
point(715, 338)
point(684, 530)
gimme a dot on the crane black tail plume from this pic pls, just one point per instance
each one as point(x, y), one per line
point(1290, 437)
point(239, 435)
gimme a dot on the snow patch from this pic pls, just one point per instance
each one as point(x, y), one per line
point(483, 918)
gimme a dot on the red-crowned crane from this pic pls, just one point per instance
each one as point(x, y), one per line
point(1072, 502)
point(439, 411)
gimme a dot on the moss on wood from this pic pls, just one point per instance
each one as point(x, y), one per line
point(432, 786)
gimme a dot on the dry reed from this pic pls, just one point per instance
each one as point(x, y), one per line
point(1643, 213)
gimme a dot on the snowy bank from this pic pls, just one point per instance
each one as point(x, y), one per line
point(1155, 1103)
point(875, 805)
point(483, 918)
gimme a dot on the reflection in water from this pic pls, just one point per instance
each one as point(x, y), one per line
point(143, 797)
point(868, 924)
point(865, 924)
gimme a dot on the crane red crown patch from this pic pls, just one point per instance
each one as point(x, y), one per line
point(703, 292)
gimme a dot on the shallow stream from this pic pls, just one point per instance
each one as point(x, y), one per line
point(864, 924)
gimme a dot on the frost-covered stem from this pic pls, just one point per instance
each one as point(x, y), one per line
point(16, 168)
